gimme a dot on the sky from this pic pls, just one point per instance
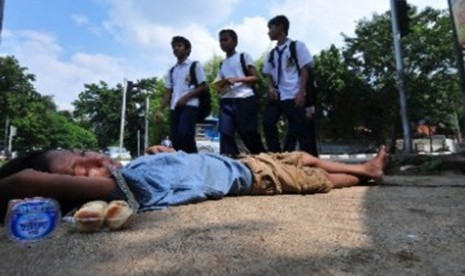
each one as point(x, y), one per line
point(69, 43)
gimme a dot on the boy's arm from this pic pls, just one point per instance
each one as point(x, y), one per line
point(251, 74)
point(251, 78)
point(158, 114)
point(300, 97)
point(197, 91)
point(31, 183)
point(272, 92)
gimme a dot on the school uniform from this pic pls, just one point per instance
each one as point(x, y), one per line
point(238, 109)
point(285, 74)
point(183, 119)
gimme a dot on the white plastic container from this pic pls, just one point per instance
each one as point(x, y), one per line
point(32, 219)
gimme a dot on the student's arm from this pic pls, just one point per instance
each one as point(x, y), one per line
point(251, 76)
point(305, 58)
point(158, 115)
point(300, 97)
point(31, 183)
point(272, 92)
point(197, 91)
point(158, 149)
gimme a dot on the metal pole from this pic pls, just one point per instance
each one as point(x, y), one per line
point(460, 60)
point(123, 115)
point(146, 133)
point(400, 79)
point(7, 129)
point(2, 8)
point(138, 142)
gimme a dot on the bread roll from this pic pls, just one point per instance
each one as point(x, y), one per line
point(90, 216)
point(117, 214)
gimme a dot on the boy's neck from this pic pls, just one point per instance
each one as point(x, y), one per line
point(181, 59)
point(282, 39)
point(230, 54)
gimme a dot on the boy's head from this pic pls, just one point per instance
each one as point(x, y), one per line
point(276, 25)
point(82, 163)
point(228, 40)
point(36, 160)
point(181, 46)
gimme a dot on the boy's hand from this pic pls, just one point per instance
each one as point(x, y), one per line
point(157, 116)
point(272, 94)
point(158, 149)
point(300, 98)
point(222, 86)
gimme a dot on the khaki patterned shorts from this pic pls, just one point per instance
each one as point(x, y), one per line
point(283, 173)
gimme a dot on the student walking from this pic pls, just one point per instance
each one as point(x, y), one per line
point(239, 104)
point(287, 78)
point(182, 96)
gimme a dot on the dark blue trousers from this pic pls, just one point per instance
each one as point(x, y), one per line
point(241, 115)
point(182, 128)
point(296, 126)
point(310, 136)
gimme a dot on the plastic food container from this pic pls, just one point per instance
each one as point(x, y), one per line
point(32, 219)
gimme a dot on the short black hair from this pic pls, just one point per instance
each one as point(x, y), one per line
point(229, 32)
point(280, 20)
point(182, 40)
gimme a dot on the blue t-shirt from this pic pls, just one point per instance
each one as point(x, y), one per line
point(167, 179)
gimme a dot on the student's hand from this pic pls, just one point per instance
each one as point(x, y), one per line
point(222, 86)
point(158, 149)
point(232, 81)
point(309, 112)
point(300, 98)
point(157, 116)
point(183, 100)
point(272, 94)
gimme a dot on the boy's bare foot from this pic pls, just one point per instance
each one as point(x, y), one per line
point(376, 165)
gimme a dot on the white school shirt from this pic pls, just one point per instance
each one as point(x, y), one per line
point(231, 67)
point(181, 80)
point(289, 83)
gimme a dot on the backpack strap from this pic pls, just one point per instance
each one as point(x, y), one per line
point(193, 76)
point(293, 51)
point(171, 77)
point(243, 65)
point(271, 57)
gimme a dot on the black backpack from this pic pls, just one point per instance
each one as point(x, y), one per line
point(245, 70)
point(312, 88)
point(205, 101)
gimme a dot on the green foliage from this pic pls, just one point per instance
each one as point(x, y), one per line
point(430, 75)
point(38, 123)
point(98, 109)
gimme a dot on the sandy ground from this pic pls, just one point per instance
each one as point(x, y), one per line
point(409, 225)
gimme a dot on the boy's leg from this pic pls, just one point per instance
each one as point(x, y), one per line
point(247, 123)
point(371, 169)
point(227, 126)
point(295, 121)
point(186, 129)
point(341, 180)
point(174, 122)
point(270, 119)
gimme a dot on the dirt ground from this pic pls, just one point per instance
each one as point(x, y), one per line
point(408, 225)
